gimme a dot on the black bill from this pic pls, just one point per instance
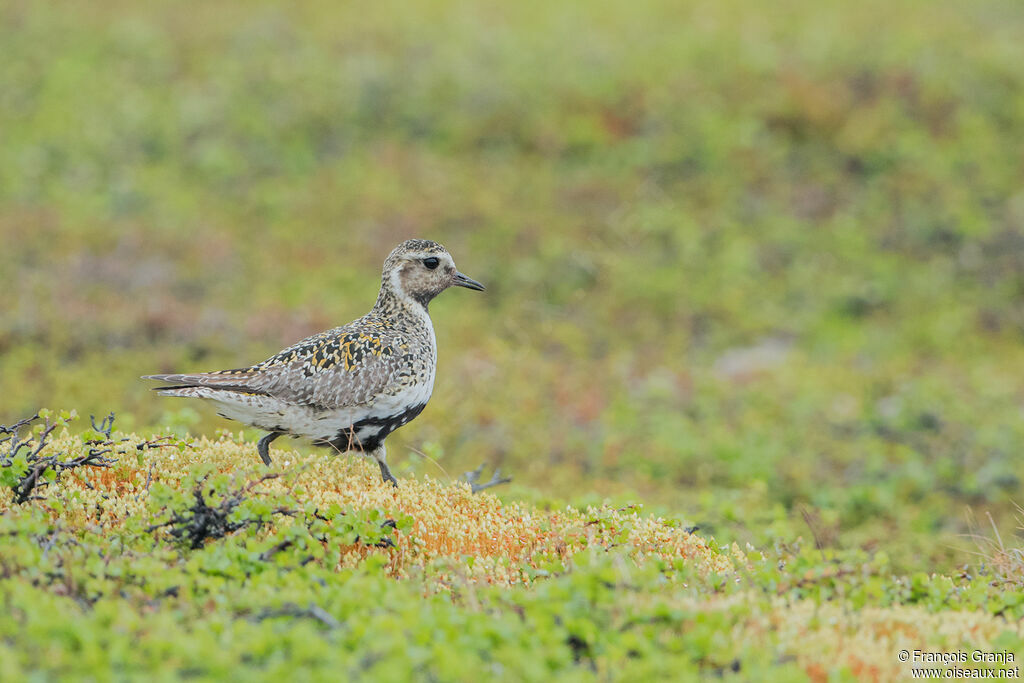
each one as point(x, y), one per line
point(467, 282)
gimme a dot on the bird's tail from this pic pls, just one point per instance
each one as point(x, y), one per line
point(187, 384)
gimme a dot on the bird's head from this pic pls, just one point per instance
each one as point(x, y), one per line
point(419, 270)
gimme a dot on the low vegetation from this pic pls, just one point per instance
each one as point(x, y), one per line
point(194, 561)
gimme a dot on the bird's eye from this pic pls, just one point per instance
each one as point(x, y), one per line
point(431, 262)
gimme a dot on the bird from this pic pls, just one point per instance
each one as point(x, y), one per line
point(349, 387)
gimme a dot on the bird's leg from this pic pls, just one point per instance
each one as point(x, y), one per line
point(263, 447)
point(380, 455)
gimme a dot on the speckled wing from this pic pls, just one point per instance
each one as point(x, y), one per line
point(346, 366)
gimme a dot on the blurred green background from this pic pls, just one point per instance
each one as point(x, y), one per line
point(759, 265)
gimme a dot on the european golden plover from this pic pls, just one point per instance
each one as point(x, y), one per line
point(349, 387)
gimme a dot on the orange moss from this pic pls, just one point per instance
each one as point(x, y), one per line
point(450, 523)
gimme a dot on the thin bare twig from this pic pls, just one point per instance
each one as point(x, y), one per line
point(473, 476)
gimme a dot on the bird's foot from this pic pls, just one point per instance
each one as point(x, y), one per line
point(473, 476)
point(381, 456)
point(386, 475)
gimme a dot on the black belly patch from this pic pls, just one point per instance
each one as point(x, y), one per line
point(373, 429)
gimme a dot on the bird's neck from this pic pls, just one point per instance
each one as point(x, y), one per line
point(408, 314)
point(392, 301)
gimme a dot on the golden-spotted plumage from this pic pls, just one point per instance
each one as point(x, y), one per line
point(351, 386)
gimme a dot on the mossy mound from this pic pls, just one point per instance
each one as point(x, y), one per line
point(190, 559)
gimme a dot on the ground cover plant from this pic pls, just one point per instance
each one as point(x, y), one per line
point(753, 268)
point(194, 561)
